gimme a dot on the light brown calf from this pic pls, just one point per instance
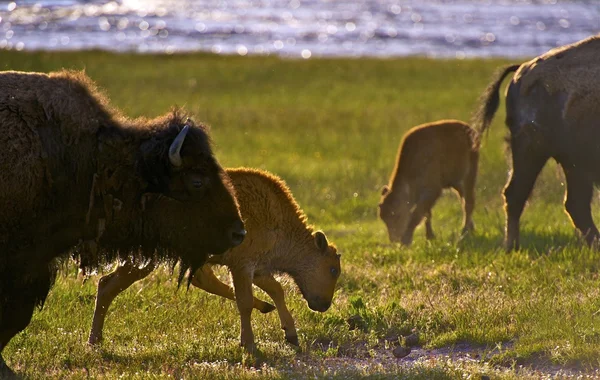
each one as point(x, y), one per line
point(278, 241)
point(431, 157)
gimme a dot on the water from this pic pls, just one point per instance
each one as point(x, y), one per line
point(301, 28)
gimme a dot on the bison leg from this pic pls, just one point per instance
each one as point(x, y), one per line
point(526, 167)
point(578, 198)
point(273, 288)
point(19, 297)
point(15, 314)
point(424, 205)
point(5, 371)
point(242, 283)
point(205, 279)
point(428, 228)
point(109, 287)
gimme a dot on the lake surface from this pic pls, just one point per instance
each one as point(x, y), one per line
point(301, 28)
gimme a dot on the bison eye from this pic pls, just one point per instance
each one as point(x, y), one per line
point(198, 183)
point(334, 271)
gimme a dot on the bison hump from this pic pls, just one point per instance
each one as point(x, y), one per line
point(571, 69)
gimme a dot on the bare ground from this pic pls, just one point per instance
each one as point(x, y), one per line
point(458, 361)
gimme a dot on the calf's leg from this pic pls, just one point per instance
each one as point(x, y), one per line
point(273, 288)
point(467, 194)
point(578, 200)
point(242, 283)
point(205, 279)
point(109, 287)
point(426, 201)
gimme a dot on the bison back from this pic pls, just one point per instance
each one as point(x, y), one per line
point(437, 152)
point(572, 70)
point(45, 170)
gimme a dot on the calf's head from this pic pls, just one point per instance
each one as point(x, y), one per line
point(319, 273)
point(394, 210)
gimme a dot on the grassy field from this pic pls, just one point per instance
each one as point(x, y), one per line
point(331, 129)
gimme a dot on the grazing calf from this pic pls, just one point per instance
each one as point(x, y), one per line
point(432, 157)
point(278, 241)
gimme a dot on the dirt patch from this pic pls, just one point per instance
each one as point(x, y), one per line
point(460, 358)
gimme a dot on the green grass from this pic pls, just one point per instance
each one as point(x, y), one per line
point(331, 129)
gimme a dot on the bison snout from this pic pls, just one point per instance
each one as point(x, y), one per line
point(237, 233)
point(319, 304)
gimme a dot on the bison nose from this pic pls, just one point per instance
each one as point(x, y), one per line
point(237, 233)
point(319, 304)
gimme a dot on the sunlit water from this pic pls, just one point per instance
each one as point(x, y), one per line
point(301, 28)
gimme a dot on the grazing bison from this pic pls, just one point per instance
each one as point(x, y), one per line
point(431, 157)
point(278, 241)
point(552, 110)
point(72, 169)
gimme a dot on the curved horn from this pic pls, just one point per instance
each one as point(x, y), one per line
point(175, 148)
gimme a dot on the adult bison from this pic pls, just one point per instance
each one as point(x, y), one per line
point(552, 111)
point(72, 169)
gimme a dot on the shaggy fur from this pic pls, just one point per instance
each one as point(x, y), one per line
point(566, 70)
point(431, 157)
point(552, 111)
point(278, 241)
point(73, 169)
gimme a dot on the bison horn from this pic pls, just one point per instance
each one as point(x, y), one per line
point(175, 148)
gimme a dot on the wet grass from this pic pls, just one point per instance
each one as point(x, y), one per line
point(331, 129)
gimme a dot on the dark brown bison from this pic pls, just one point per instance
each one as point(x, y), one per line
point(278, 241)
point(552, 111)
point(72, 169)
point(431, 157)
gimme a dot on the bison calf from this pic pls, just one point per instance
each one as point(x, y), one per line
point(278, 241)
point(431, 157)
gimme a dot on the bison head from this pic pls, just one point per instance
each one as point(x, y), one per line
point(179, 164)
point(394, 210)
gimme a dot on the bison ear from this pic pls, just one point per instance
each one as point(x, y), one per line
point(385, 189)
point(152, 166)
point(321, 241)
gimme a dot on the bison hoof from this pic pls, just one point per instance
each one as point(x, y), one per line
point(468, 228)
point(94, 340)
point(267, 308)
point(5, 371)
point(249, 348)
point(292, 339)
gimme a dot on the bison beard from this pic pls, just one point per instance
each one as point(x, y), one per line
point(74, 171)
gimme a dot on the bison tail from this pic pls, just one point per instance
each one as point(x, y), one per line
point(489, 100)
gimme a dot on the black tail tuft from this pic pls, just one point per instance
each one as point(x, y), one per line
point(489, 100)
